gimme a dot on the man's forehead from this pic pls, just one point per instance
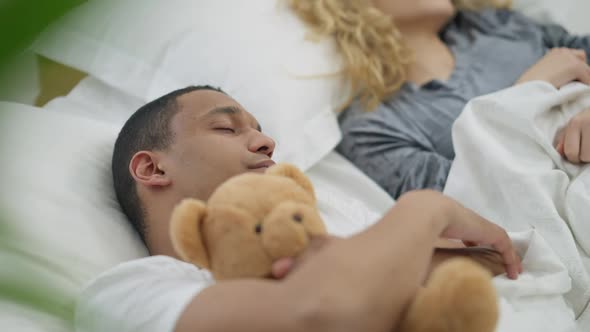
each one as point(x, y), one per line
point(199, 102)
point(197, 105)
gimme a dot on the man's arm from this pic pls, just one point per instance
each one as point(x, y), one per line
point(486, 258)
point(338, 289)
point(356, 284)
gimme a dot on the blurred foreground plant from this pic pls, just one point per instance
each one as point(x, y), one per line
point(22, 20)
point(26, 280)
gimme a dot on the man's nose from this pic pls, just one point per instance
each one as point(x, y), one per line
point(262, 144)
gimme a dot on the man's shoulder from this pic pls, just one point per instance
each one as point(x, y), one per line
point(134, 295)
point(152, 262)
point(151, 267)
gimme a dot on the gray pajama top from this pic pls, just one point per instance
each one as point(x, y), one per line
point(406, 143)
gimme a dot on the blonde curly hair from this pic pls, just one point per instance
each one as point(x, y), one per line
point(375, 59)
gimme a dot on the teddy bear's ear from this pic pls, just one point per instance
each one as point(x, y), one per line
point(292, 172)
point(186, 231)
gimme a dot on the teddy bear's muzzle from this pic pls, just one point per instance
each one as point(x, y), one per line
point(287, 230)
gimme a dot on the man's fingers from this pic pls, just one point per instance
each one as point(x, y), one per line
point(511, 260)
point(282, 267)
point(469, 226)
point(512, 263)
point(572, 141)
point(316, 244)
point(513, 267)
point(496, 237)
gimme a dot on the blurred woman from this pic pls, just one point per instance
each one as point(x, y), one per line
point(413, 66)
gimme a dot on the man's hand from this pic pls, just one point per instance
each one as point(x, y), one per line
point(467, 226)
point(489, 259)
point(461, 224)
point(559, 67)
point(573, 140)
point(283, 266)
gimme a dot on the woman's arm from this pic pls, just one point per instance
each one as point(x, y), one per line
point(559, 67)
point(393, 159)
point(556, 36)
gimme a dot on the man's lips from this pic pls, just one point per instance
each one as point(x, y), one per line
point(263, 164)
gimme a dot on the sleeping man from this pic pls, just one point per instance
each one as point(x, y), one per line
point(185, 144)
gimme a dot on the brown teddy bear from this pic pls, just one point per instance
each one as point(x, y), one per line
point(253, 219)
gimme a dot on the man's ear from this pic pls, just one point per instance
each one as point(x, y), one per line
point(145, 167)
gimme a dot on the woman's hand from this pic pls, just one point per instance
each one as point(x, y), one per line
point(573, 140)
point(559, 67)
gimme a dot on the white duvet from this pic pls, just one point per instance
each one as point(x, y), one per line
point(507, 169)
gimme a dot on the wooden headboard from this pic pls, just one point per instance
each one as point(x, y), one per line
point(55, 80)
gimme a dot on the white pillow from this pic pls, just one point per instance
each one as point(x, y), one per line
point(59, 200)
point(255, 50)
point(96, 100)
point(571, 14)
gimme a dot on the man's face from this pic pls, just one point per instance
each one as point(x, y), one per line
point(214, 138)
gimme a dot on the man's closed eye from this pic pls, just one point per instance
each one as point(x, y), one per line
point(226, 129)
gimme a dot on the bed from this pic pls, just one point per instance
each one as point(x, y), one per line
point(64, 222)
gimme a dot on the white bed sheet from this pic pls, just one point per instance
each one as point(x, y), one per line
point(507, 169)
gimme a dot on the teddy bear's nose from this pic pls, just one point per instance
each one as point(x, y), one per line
point(297, 217)
point(258, 228)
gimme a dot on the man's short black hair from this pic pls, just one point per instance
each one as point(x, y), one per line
point(147, 129)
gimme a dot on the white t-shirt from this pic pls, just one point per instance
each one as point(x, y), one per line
point(149, 294)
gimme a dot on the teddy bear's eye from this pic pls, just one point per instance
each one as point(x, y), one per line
point(258, 228)
point(297, 217)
